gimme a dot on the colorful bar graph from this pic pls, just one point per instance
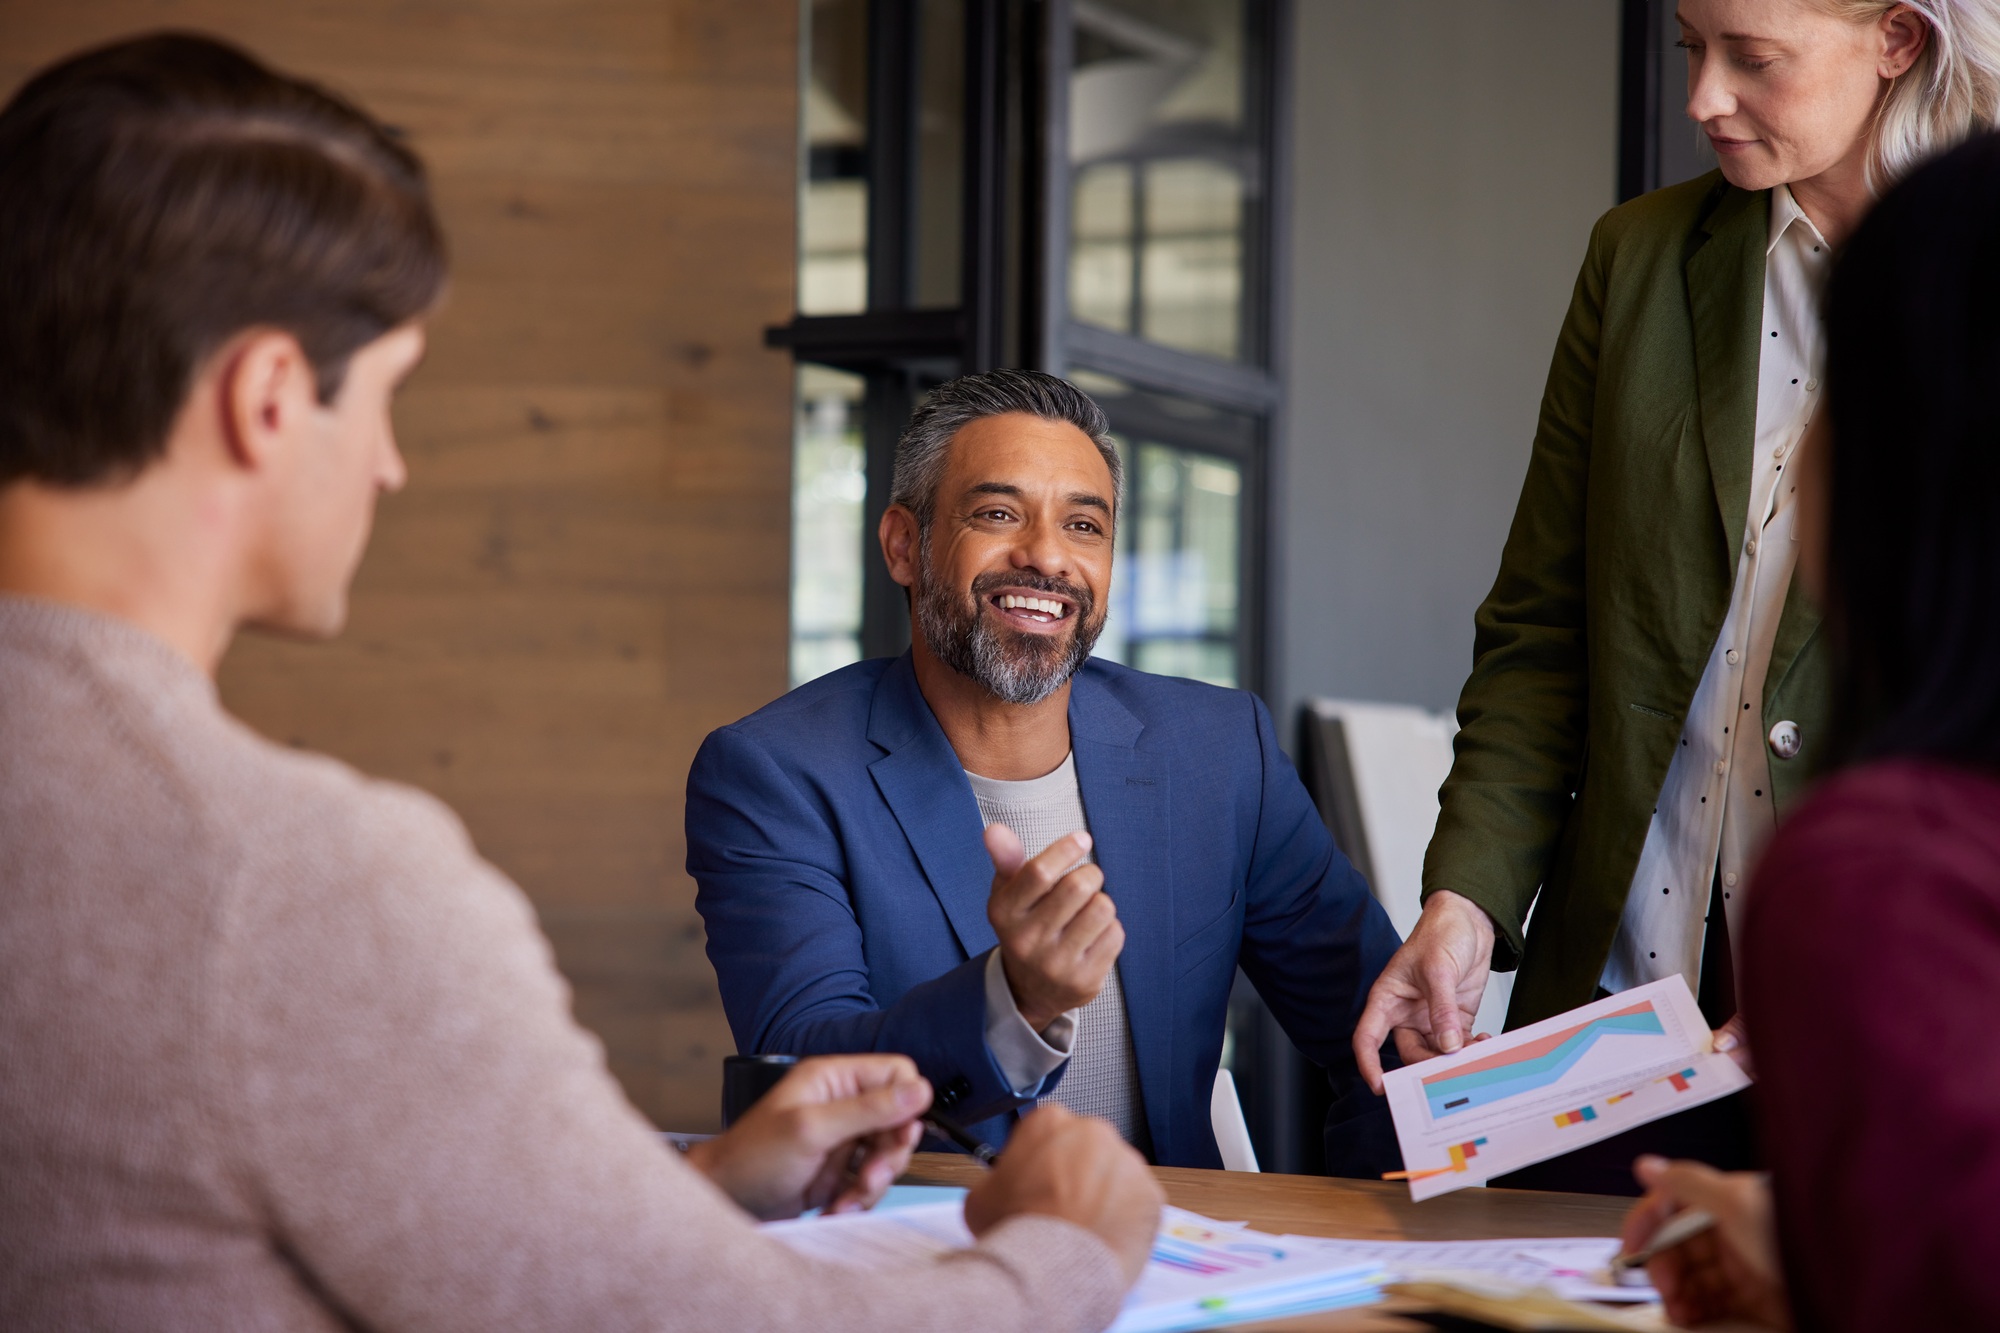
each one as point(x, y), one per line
point(1576, 1117)
point(1461, 1153)
point(1618, 1097)
point(1680, 1080)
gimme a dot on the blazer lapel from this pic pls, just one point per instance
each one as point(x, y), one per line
point(926, 789)
point(1128, 799)
point(1725, 282)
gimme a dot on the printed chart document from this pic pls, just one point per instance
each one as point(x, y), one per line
point(1575, 1268)
point(1554, 1086)
point(1202, 1273)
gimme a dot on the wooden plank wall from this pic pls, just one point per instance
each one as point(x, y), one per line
point(588, 569)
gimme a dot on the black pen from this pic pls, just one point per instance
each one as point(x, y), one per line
point(982, 1152)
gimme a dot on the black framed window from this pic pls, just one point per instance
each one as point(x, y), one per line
point(881, 194)
point(1164, 157)
point(1177, 593)
point(829, 494)
point(1092, 188)
point(906, 275)
point(1084, 186)
point(1657, 144)
point(1160, 153)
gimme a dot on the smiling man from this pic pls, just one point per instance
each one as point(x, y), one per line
point(1033, 872)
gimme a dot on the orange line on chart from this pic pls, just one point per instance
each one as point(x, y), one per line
point(1459, 1153)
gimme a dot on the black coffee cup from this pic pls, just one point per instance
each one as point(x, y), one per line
point(745, 1078)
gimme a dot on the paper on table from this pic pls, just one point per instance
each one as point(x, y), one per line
point(1584, 1274)
point(1554, 1086)
point(1576, 1268)
point(878, 1240)
point(1204, 1273)
point(1201, 1274)
point(907, 1196)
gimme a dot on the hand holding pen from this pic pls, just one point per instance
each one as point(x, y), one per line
point(1725, 1270)
point(951, 1131)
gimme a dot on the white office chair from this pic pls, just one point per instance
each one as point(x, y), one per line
point(1376, 769)
point(1232, 1135)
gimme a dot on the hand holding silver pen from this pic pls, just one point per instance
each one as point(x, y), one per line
point(1630, 1268)
point(1708, 1242)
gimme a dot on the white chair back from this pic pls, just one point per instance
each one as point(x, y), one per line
point(1232, 1135)
point(1378, 768)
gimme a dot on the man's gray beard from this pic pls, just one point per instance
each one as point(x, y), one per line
point(1014, 668)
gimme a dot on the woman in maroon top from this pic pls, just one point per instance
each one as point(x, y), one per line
point(1872, 944)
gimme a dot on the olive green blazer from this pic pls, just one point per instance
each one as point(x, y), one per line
point(1612, 588)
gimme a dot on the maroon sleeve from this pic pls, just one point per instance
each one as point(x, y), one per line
point(1871, 971)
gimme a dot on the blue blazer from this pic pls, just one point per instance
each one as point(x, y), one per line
point(836, 848)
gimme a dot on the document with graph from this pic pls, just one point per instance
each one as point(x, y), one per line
point(1202, 1273)
point(1554, 1086)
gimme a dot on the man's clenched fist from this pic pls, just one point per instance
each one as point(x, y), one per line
point(1059, 932)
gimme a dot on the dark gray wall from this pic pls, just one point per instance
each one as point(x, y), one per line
point(1449, 159)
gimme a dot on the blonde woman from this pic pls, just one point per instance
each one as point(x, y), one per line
point(1649, 693)
point(1888, 875)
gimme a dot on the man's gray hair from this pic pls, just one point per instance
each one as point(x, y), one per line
point(922, 452)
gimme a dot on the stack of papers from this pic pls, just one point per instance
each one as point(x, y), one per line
point(1554, 1086)
point(1202, 1272)
point(1205, 1273)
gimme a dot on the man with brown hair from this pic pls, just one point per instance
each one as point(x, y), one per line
point(279, 1049)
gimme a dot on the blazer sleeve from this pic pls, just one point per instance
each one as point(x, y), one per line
point(1314, 938)
point(1521, 741)
point(771, 884)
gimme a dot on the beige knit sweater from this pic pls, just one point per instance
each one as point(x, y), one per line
point(278, 1051)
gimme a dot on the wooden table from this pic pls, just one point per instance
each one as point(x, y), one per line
point(1354, 1209)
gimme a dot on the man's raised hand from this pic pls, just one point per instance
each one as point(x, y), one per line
point(1429, 993)
point(1059, 932)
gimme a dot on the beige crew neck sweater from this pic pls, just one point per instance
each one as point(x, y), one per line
point(278, 1051)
